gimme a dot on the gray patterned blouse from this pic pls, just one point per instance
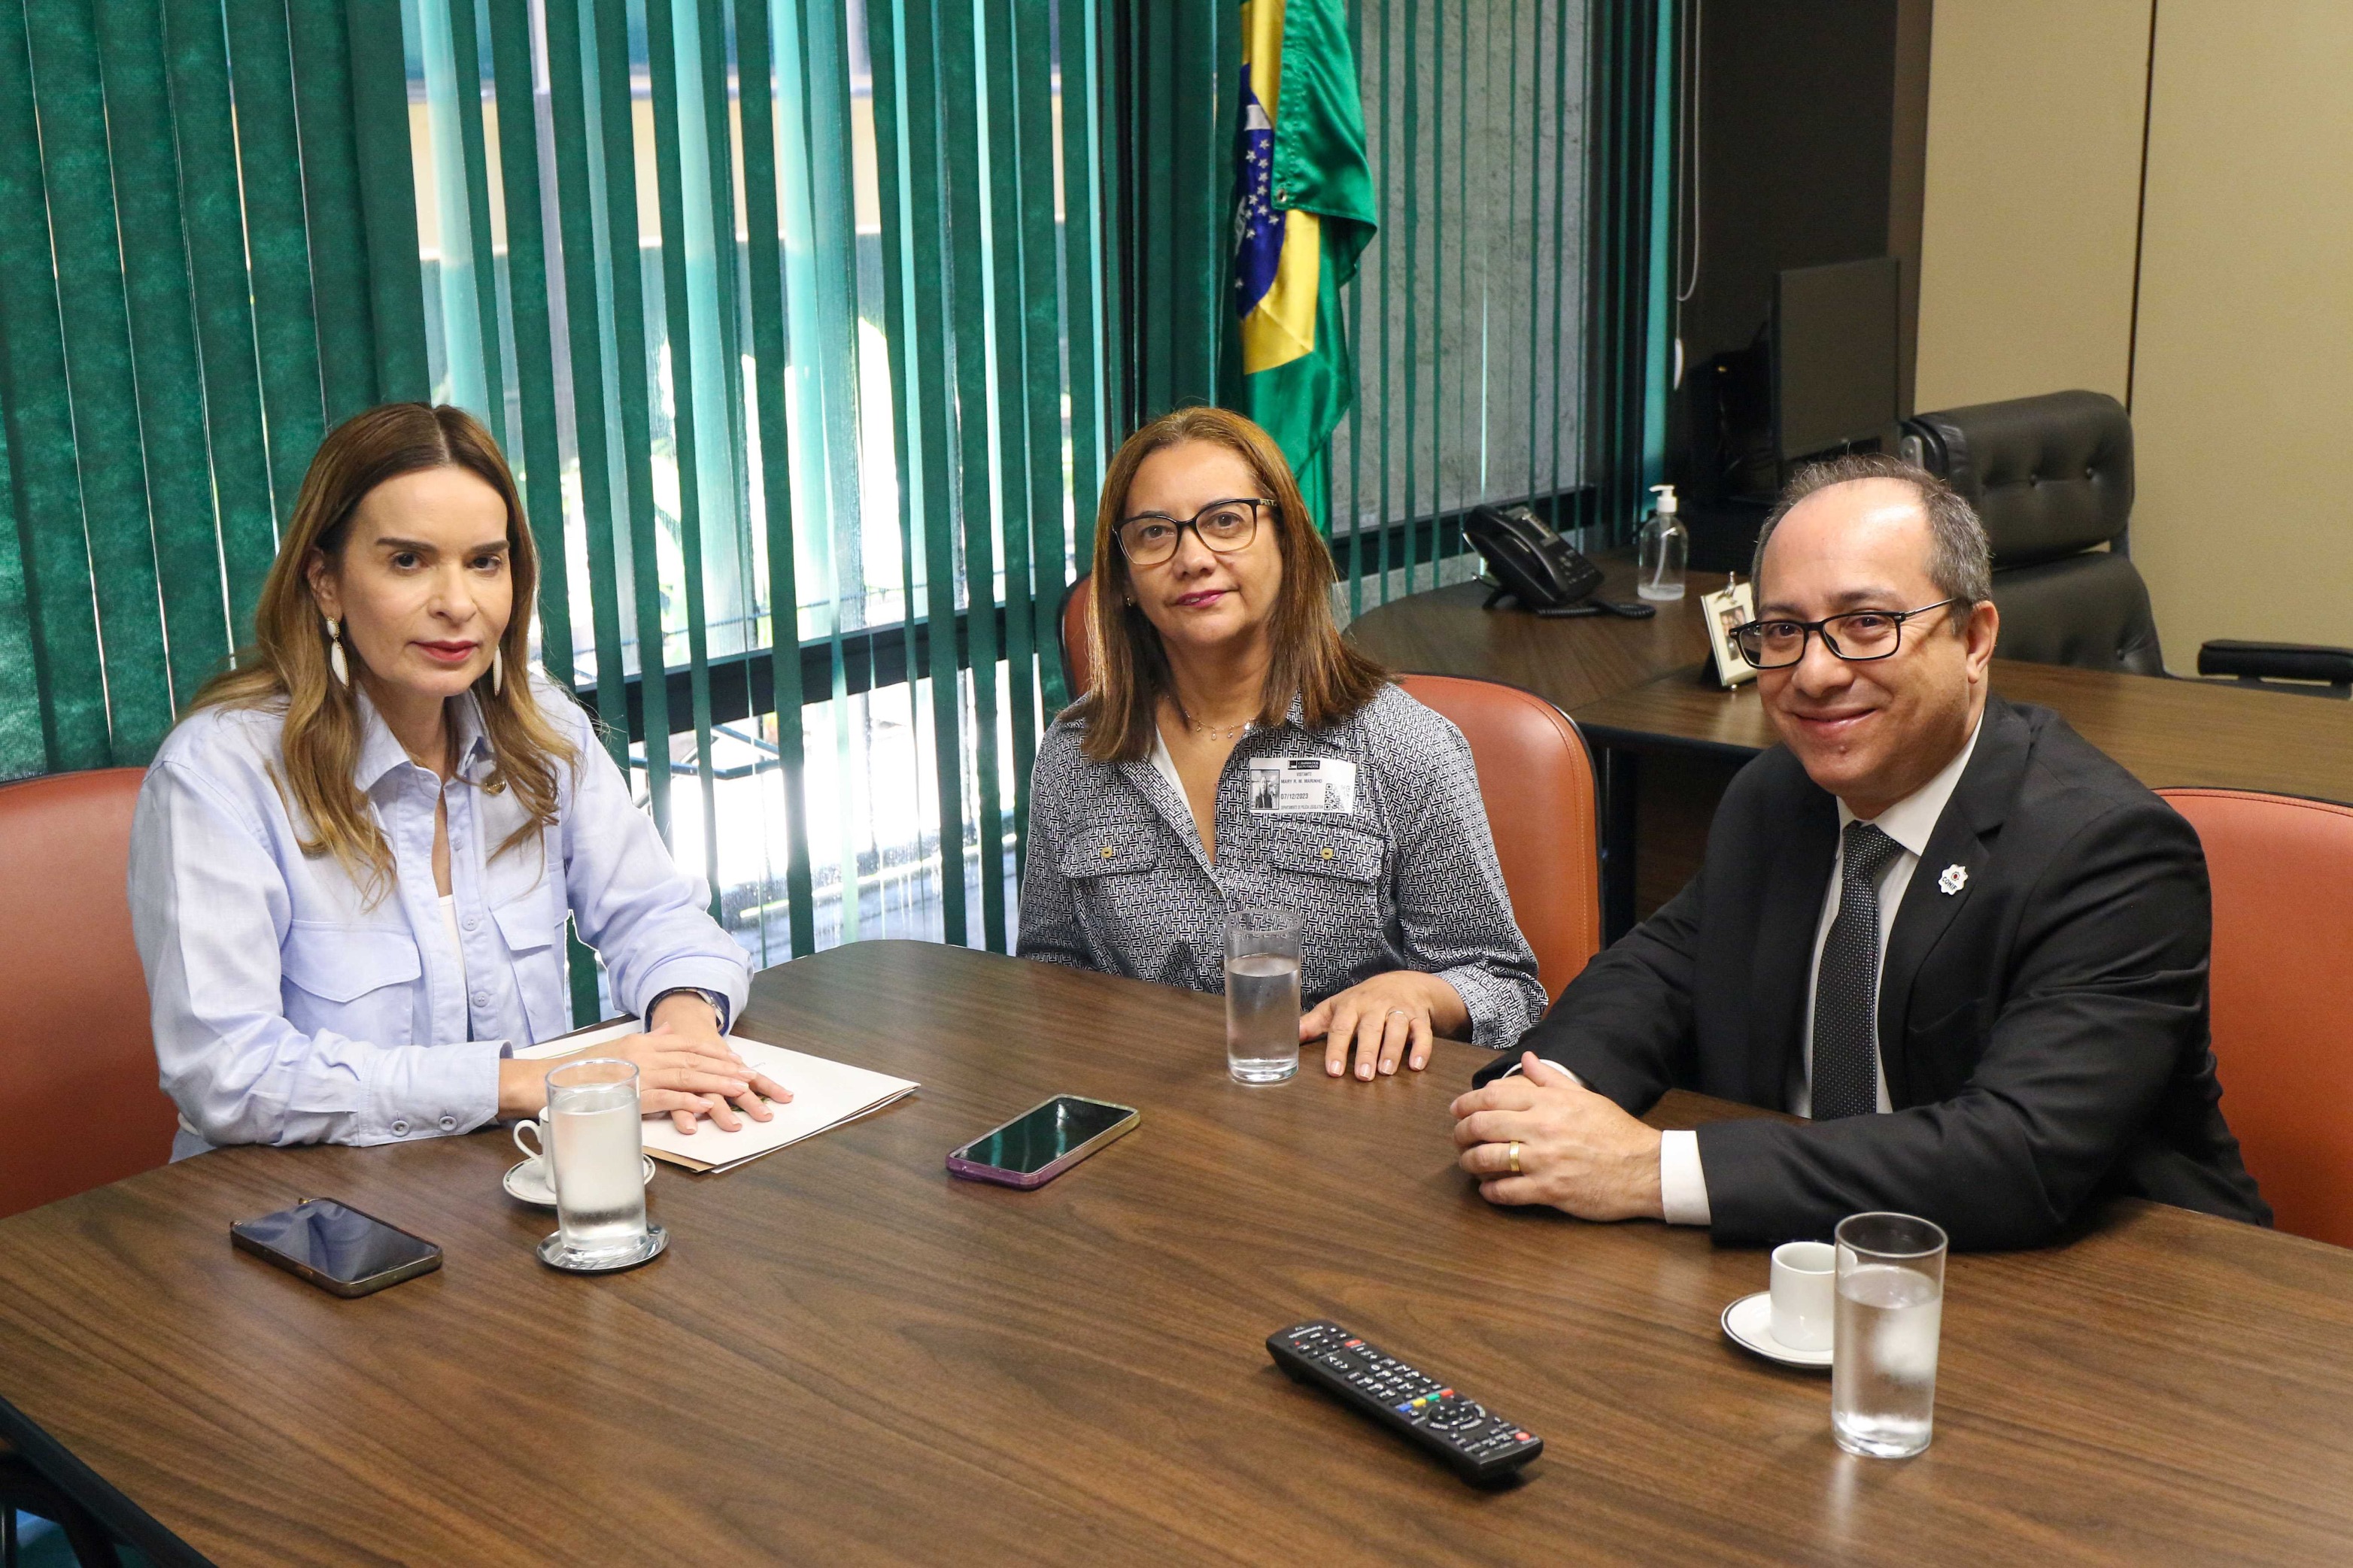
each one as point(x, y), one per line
point(1406, 879)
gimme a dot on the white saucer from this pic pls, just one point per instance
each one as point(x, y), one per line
point(1748, 1324)
point(526, 1182)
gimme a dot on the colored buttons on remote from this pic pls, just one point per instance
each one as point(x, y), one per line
point(1474, 1442)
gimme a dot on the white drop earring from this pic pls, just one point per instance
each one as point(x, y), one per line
point(498, 670)
point(335, 660)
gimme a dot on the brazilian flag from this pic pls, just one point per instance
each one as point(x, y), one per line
point(1303, 215)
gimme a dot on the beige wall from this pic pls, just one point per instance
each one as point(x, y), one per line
point(2238, 380)
point(2244, 391)
point(2033, 188)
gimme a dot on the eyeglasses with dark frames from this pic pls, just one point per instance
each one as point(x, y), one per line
point(1855, 636)
point(1223, 527)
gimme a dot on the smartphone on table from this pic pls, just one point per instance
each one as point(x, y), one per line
point(1042, 1143)
point(336, 1247)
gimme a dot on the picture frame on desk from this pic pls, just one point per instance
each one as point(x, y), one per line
point(1730, 607)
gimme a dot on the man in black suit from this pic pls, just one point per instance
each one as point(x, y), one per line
point(1966, 945)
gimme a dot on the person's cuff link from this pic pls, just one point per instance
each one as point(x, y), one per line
point(718, 1002)
point(1683, 1184)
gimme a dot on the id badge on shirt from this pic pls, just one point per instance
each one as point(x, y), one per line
point(1283, 785)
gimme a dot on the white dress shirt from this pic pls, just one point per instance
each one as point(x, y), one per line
point(1683, 1184)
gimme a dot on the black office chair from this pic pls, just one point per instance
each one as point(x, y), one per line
point(2051, 476)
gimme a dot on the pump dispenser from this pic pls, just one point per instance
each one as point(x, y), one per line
point(1663, 547)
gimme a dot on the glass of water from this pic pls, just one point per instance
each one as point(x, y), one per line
point(597, 1163)
point(1263, 995)
point(1891, 1306)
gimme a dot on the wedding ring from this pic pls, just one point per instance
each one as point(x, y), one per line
point(1515, 1159)
point(1399, 1013)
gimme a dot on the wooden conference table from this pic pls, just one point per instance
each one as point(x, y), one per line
point(1641, 688)
point(846, 1356)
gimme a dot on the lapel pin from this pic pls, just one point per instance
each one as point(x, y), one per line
point(1955, 878)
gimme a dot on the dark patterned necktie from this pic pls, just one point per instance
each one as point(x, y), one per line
point(1846, 986)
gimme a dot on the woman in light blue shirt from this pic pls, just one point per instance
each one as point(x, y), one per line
point(354, 859)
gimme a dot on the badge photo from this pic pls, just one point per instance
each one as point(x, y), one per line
point(1728, 608)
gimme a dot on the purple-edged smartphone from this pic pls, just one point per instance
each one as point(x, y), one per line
point(1042, 1143)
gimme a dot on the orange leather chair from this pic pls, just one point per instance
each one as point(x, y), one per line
point(1535, 775)
point(79, 1102)
point(1537, 779)
point(2283, 995)
point(1078, 621)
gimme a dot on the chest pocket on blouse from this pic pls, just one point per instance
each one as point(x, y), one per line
point(1334, 872)
point(1108, 863)
point(532, 941)
point(359, 981)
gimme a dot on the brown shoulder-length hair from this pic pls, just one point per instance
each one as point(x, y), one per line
point(1329, 676)
point(286, 668)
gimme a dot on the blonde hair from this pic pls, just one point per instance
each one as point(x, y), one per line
point(1331, 678)
point(286, 669)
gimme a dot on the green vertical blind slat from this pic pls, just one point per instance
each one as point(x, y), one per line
point(662, 51)
point(576, 214)
point(269, 172)
point(1040, 323)
point(160, 300)
point(1009, 410)
point(328, 153)
point(379, 123)
point(466, 52)
point(632, 366)
point(923, 86)
point(22, 749)
point(755, 68)
point(196, 50)
point(98, 374)
point(527, 320)
point(968, 305)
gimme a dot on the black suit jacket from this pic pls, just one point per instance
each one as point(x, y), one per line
point(2043, 1029)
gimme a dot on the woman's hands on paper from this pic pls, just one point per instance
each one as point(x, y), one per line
point(683, 1068)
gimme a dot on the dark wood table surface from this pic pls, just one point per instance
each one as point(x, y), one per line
point(2165, 731)
point(1568, 662)
point(848, 1357)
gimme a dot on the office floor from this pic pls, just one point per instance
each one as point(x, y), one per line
point(41, 1544)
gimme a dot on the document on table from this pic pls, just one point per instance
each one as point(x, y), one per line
point(824, 1094)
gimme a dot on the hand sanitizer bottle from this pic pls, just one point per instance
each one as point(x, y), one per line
point(1663, 548)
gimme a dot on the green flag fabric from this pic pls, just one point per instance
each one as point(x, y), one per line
point(1304, 214)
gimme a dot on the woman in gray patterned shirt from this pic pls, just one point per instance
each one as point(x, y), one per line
point(1176, 790)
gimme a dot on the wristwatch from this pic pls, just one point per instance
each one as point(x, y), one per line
point(718, 1002)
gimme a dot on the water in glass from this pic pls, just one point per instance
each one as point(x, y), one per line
point(1262, 1016)
point(1884, 1379)
point(600, 1192)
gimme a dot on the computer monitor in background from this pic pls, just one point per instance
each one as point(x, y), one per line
point(1833, 355)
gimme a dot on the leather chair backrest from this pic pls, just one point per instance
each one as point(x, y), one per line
point(1078, 621)
point(2091, 611)
point(2049, 477)
point(79, 1102)
point(2283, 995)
point(1535, 776)
point(1537, 779)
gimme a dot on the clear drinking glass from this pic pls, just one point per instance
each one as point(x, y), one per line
point(596, 1159)
point(1891, 1304)
point(1263, 995)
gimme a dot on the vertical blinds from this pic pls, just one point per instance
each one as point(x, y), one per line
point(795, 312)
point(790, 316)
point(1498, 323)
point(193, 285)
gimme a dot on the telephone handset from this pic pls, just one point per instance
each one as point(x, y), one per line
point(1532, 562)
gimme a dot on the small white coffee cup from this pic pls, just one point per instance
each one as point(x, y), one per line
point(1804, 1294)
point(538, 1129)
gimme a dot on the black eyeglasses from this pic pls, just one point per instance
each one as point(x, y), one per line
point(1857, 636)
point(1149, 538)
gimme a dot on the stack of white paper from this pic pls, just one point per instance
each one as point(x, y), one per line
point(824, 1094)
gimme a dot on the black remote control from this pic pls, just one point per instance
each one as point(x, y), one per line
point(1477, 1444)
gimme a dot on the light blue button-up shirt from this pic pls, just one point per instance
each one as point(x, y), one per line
point(289, 1007)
